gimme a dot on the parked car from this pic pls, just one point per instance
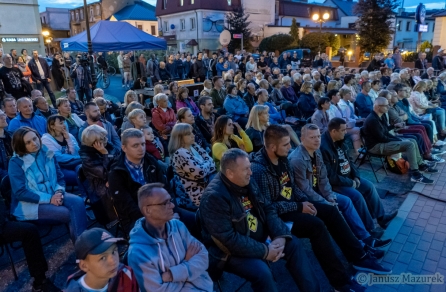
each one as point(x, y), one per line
point(304, 55)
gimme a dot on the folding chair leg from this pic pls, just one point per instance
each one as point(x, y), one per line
point(383, 162)
point(219, 286)
point(12, 262)
point(371, 166)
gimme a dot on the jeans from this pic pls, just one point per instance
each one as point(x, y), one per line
point(259, 274)
point(121, 70)
point(409, 148)
point(83, 91)
point(426, 145)
point(366, 201)
point(317, 229)
point(28, 234)
point(45, 84)
point(347, 208)
point(439, 117)
point(72, 212)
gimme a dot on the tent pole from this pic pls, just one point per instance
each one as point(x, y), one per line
point(90, 47)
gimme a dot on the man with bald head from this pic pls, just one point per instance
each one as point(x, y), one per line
point(162, 74)
point(378, 140)
point(27, 117)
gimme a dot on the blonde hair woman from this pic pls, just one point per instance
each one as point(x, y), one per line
point(137, 118)
point(130, 96)
point(126, 124)
point(332, 84)
point(193, 167)
point(73, 121)
point(157, 90)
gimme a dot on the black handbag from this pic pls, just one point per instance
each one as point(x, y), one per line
point(26, 86)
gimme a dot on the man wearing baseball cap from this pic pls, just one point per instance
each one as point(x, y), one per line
point(97, 254)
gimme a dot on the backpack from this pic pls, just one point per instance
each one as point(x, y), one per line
point(399, 166)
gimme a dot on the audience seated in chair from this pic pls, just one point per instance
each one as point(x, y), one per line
point(205, 121)
point(130, 170)
point(235, 245)
point(163, 254)
point(77, 107)
point(224, 139)
point(192, 165)
point(127, 124)
point(364, 102)
point(27, 117)
point(94, 118)
point(306, 104)
point(107, 109)
point(43, 108)
point(378, 140)
point(163, 117)
point(96, 155)
point(73, 121)
point(9, 106)
point(5, 145)
point(235, 106)
point(99, 268)
point(38, 188)
point(320, 117)
point(183, 100)
point(185, 116)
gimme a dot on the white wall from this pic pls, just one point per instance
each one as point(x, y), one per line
point(412, 34)
point(146, 25)
point(261, 12)
point(58, 19)
point(346, 20)
point(21, 18)
point(440, 32)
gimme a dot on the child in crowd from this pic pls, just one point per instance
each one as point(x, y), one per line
point(155, 147)
point(97, 254)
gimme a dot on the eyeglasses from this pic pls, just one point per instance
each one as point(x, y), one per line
point(165, 203)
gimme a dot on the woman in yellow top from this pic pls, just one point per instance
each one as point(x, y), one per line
point(224, 139)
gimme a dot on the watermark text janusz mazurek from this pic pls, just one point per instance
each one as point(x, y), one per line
point(403, 278)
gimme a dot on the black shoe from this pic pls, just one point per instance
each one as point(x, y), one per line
point(376, 243)
point(426, 168)
point(369, 264)
point(422, 180)
point(377, 253)
point(377, 233)
point(353, 286)
point(45, 286)
point(385, 220)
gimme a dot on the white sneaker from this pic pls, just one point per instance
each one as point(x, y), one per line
point(63, 89)
point(439, 143)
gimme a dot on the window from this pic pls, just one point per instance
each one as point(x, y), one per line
point(229, 2)
point(153, 30)
point(72, 15)
point(140, 27)
point(181, 2)
point(77, 15)
point(75, 31)
point(98, 10)
point(164, 4)
point(399, 25)
point(182, 24)
point(192, 1)
point(192, 23)
point(433, 27)
point(408, 26)
point(166, 26)
point(82, 14)
point(91, 13)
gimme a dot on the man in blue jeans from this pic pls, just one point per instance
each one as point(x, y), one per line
point(237, 220)
point(345, 178)
point(40, 73)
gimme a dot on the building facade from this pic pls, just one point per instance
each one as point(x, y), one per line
point(27, 35)
point(439, 38)
point(141, 15)
point(55, 21)
point(406, 34)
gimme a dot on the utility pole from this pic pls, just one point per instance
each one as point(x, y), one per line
point(90, 47)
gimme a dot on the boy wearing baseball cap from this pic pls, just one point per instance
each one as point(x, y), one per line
point(97, 254)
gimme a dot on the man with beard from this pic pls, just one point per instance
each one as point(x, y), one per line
point(93, 115)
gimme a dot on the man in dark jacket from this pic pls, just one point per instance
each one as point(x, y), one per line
point(237, 220)
point(180, 67)
point(162, 74)
point(249, 96)
point(345, 178)
point(375, 64)
point(421, 63)
point(437, 61)
point(205, 121)
point(276, 178)
point(132, 169)
point(378, 140)
point(198, 69)
point(40, 73)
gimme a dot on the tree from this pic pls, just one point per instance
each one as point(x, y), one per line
point(278, 42)
point(312, 41)
point(374, 25)
point(294, 32)
point(426, 45)
point(238, 23)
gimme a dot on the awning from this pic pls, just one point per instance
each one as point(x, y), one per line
point(192, 42)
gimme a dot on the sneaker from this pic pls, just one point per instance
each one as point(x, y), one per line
point(376, 243)
point(386, 219)
point(436, 159)
point(377, 232)
point(46, 286)
point(421, 179)
point(377, 253)
point(440, 143)
point(437, 147)
point(438, 151)
point(427, 169)
point(368, 263)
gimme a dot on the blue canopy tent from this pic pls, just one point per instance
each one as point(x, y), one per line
point(109, 36)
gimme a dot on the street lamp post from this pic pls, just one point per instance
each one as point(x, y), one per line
point(317, 18)
point(48, 41)
point(46, 34)
point(89, 46)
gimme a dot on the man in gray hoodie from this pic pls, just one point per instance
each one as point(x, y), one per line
point(162, 253)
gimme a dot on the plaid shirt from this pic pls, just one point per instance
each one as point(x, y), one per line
point(136, 171)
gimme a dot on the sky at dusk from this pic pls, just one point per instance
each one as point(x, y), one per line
point(410, 5)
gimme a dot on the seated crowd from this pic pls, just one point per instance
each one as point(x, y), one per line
point(230, 180)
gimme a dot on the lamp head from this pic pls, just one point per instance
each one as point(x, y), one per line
point(46, 33)
point(315, 17)
point(326, 16)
